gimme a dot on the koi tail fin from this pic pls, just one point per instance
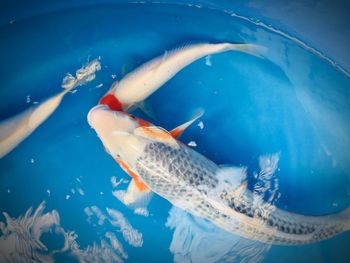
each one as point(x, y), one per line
point(176, 132)
point(82, 76)
point(345, 216)
point(136, 198)
point(252, 49)
point(17, 128)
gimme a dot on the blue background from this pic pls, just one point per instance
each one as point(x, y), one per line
point(294, 101)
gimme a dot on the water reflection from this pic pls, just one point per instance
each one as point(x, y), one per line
point(21, 238)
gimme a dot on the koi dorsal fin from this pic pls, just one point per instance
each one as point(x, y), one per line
point(134, 198)
point(138, 182)
point(176, 132)
point(231, 178)
point(156, 134)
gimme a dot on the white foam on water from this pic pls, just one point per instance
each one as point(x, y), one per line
point(201, 125)
point(20, 240)
point(208, 61)
point(132, 236)
point(116, 244)
point(82, 76)
point(103, 252)
point(98, 213)
point(192, 144)
point(142, 211)
point(116, 183)
point(80, 191)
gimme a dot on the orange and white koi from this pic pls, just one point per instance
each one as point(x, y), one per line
point(138, 194)
point(188, 180)
point(146, 79)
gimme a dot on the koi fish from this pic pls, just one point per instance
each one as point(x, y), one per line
point(17, 128)
point(138, 194)
point(188, 180)
point(146, 79)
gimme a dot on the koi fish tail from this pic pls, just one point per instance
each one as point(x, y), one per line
point(15, 129)
point(252, 49)
point(346, 216)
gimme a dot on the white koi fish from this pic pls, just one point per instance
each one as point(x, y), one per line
point(161, 164)
point(146, 79)
point(17, 128)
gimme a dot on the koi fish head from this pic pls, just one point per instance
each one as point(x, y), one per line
point(116, 131)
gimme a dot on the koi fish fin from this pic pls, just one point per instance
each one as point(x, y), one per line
point(231, 178)
point(10, 125)
point(176, 132)
point(147, 109)
point(135, 198)
point(346, 215)
point(15, 129)
point(252, 49)
point(157, 134)
point(45, 109)
point(138, 182)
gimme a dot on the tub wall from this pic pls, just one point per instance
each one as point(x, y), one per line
point(322, 24)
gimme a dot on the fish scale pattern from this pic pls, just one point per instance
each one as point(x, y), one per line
point(185, 177)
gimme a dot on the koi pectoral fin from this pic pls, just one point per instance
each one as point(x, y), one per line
point(136, 197)
point(176, 132)
point(138, 194)
point(157, 134)
point(147, 109)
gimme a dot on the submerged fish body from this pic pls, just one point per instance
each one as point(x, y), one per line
point(192, 182)
point(17, 128)
point(146, 79)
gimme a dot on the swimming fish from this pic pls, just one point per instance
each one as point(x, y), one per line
point(190, 181)
point(138, 194)
point(130, 91)
point(17, 128)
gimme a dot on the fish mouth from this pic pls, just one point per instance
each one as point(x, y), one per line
point(91, 116)
point(104, 120)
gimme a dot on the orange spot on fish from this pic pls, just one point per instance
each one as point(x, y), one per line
point(143, 123)
point(157, 133)
point(177, 132)
point(139, 184)
point(112, 102)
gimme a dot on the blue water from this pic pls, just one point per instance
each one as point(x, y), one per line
point(292, 102)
